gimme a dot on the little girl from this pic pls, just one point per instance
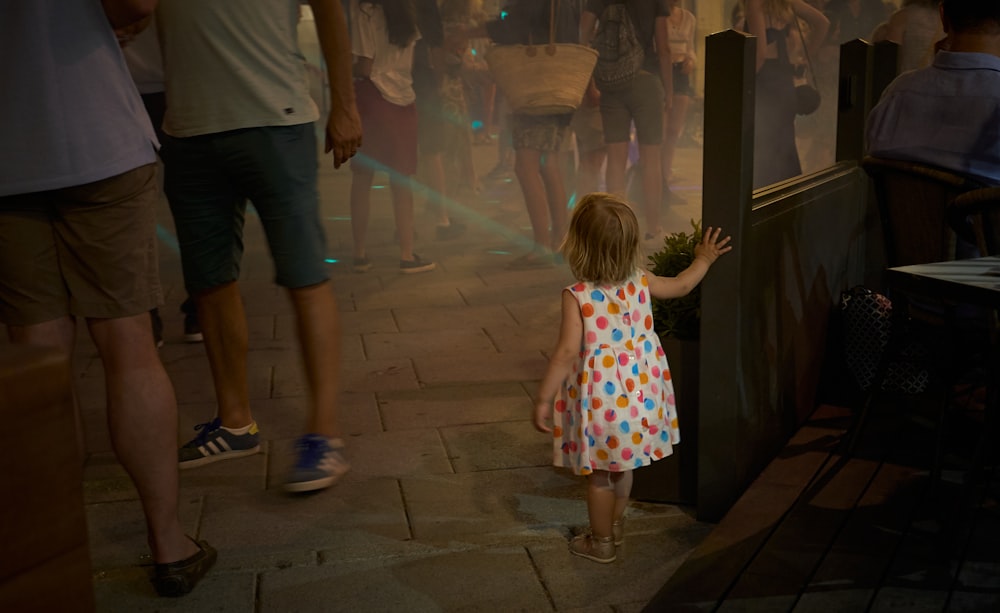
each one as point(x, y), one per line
point(615, 409)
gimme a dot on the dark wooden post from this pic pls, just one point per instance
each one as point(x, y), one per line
point(885, 67)
point(853, 99)
point(728, 186)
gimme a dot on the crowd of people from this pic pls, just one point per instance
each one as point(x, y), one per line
point(230, 108)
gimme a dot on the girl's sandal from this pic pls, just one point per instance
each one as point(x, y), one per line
point(617, 531)
point(601, 550)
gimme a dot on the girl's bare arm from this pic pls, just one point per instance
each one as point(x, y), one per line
point(705, 254)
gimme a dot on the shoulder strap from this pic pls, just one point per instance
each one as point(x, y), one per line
point(805, 49)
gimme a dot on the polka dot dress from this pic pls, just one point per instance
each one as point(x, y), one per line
point(616, 411)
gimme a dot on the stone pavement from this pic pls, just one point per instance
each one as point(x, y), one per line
point(452, 504)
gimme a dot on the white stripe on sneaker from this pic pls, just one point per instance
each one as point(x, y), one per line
point(222, 442)
point(212, 447)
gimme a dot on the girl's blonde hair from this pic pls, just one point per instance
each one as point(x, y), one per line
point(602, 245)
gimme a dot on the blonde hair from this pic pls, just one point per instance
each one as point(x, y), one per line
point(602, 245)
point(779, 10)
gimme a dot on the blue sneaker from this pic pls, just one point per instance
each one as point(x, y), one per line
point(214, 443)
point(319, 464)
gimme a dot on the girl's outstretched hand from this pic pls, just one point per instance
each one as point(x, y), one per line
point(543, 413)
point(711, 246)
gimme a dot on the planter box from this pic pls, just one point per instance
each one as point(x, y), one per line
point(674, 479)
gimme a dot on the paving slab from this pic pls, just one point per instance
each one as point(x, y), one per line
point(508, 339)
point(381, 454)
point(355, 376)
point(117, 531)
point(286, 417)
point(834, 600)
point(644, 563)
point(104, 480)
point(497, 446)
point(251, 529)
point(525, 365)
point(479, 580)
point(470, 342)
point(129, 591)
point(909, 600)
point(439, 293)
point(436, 406)
point(418, 319)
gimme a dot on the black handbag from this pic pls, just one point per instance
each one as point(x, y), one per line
point(868, 327)
point(807, 99)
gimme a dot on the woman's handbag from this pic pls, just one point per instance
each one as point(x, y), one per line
point(807, 98)
point(543, 79)
point(868, 327)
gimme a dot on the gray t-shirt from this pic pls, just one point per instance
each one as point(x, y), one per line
point(71, 114)
point(232, 64)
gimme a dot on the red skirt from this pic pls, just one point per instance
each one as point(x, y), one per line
point(389, 141)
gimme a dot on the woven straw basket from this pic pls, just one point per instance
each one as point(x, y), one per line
point(542, 79)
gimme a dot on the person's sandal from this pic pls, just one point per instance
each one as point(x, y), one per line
point(174, 579)
point(601, 550)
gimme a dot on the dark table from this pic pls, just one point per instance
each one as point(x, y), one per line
point(962, 282)
point(975, 282)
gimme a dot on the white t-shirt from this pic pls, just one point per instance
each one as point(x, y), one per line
point(682, 37)
point(392, 66)
point(232, 64)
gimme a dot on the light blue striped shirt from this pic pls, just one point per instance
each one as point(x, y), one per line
point(945, 115)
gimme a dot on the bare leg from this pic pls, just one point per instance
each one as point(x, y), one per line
point(361, 185)
point(555, 192)
point(402, 203)
point(600, 504)
point(434, 179)
point(142, 416)
point(527, 166)
point(589, 174)
point(318, 326)
point(623, 489)
point(652, 185)
point(224, 324)
point(672, 128)
point(617, 160)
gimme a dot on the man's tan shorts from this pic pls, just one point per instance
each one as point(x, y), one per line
point(87, 251)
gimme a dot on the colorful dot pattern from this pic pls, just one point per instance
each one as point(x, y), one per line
point(616, 411)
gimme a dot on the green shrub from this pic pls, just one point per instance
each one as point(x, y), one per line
point(678, 317)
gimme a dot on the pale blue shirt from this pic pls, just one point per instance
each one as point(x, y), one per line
point(69, 112)
point(945, 115)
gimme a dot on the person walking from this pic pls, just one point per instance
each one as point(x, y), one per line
point(635, 92)
point(385, 33)
point(683, 55)
point(608, 381)
point(239, 126)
